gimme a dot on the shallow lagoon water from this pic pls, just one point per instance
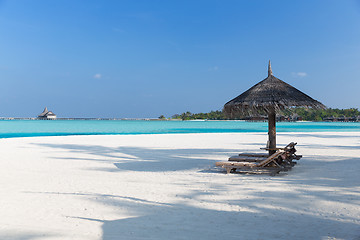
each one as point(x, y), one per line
point(32, 128)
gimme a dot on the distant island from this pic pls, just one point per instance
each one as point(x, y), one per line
point(288, 115)
point(293, 114)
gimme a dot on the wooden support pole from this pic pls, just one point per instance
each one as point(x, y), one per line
point(272, 130)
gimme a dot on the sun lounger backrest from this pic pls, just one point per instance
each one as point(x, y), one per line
point(270, 159)
point(290, 145)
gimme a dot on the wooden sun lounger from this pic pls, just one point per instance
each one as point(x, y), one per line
point(262, 165)
point(281, 160)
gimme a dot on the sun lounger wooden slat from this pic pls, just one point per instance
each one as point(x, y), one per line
point(249, 167)
point(267, 169)
point(272, 171)
point(246, 159)
point(270, 159)
point(254, 155)
point(235, 164)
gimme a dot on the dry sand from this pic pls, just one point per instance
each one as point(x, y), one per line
point(167, 187)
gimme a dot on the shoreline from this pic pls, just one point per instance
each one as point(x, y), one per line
point(172, 133)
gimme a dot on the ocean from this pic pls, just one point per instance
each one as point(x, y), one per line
point(35, 128)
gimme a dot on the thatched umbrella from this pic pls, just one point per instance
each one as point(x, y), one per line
point(271, 95)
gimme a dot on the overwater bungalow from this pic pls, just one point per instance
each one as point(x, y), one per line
point(47, 115)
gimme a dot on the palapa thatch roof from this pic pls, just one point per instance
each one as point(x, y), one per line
point(269, 93)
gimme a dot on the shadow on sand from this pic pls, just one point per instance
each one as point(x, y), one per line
point(270, 214)
point(145, 159)
point(250, 217)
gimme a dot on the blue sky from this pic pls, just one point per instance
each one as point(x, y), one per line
point(147, 58)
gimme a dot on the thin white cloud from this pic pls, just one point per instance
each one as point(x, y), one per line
point(97, 76)
point(302, 74)
point(216, 68)
point(299, 74)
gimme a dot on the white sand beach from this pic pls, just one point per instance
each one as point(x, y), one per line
point(167, 187)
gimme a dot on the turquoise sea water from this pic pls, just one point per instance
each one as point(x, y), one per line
point(32, 128)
